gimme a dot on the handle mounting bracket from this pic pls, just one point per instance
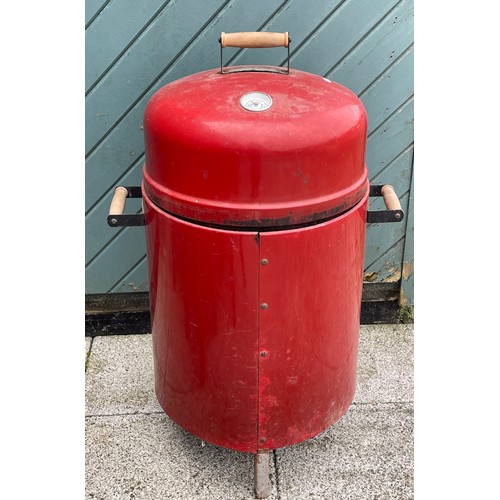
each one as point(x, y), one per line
point(116, 220)
point(381, 216)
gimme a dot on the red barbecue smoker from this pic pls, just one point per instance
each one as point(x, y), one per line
point(255, 196)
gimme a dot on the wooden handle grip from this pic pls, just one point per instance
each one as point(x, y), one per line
point(254, 39)
point(118, 202)
point(391, 199)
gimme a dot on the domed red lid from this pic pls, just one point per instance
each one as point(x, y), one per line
point(255, 149)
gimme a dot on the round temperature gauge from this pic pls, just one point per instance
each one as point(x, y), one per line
point(256, 101)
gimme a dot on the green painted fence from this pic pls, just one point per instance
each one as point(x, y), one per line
point(135, 47)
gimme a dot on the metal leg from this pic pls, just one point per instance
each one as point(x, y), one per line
point(261, 474)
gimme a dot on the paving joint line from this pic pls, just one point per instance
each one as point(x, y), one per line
point(400, 403)
point(275, 461)
point(157, 412)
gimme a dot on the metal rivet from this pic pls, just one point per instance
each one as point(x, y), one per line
point(264, 305)
point(263, 354)
point(264, 262)
point(398, 216)
point(262, 440)
point(113, 221)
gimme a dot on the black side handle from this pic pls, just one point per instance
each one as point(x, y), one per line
point(116, 216)
point(394, 213)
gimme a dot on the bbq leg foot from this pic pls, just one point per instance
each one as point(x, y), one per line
point(261, 474)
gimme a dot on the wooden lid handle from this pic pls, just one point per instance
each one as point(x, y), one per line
point(254, 39)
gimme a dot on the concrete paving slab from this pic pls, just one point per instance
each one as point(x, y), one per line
point(368, 454)
point(135, 451)
point(385, 364)
point(119, 376)
point(150, 457)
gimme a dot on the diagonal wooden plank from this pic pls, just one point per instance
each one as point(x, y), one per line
point(105, 193)
point(382, 45)
point(290, 18)
point(387, 266)
point(397, 173)
point(334, 38)
point(162, 42)
point(397, 108)
point(116, 259)
point(93, 8)
point(135, 280)
point(101, 49)
point(393, 87)
point(111, 100)
point(394, 135)
point(106, 165)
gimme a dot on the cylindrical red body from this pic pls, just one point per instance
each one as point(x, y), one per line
point(255, 224)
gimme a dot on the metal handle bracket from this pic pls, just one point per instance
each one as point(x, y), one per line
point(394, 213)
point(116, 216)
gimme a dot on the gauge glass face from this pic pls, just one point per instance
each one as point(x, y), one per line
point(256, 101)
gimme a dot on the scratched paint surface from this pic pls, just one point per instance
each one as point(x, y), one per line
point(204, 310)
point(308, 339)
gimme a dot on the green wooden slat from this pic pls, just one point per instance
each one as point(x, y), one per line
point(107, 164)
point(290, 18)
point(116, 259)
point(392, 88)
point(136, 280)
point(167, 37)
point(379, 49)
point(331, 41)
point(397, 173)
point(388, 265)
point(92, 7)
point(173, 29)
point(392, 137)
point(101, 49)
